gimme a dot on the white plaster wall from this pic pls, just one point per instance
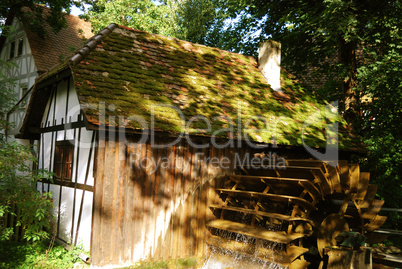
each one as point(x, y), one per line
point(55, 190)
point(66, 213)
point(64, 200)
point(84, 151)
point(24, 72)
point(84, 233)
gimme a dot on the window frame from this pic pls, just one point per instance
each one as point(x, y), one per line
point(63, 160)
point(20, 46)
point(24, 90)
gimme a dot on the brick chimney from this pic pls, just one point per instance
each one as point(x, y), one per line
point(269, 61)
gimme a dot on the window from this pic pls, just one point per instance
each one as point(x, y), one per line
point(20, 46)
point(63, 160)
point(12, 49)
point(24, 90)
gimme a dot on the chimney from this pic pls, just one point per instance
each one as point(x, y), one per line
point(269, 62)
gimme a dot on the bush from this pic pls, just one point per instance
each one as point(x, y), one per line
point(36, 255)
point(18, 194)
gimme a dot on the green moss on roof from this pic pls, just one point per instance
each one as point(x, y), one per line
point(140, 73)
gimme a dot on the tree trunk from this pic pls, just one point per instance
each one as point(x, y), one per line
point(351, 100)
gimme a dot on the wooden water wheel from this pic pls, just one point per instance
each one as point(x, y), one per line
point(280, 214)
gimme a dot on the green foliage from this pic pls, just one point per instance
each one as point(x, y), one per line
point(197, 19)
point(381, 123)
point(324, 35)
point(35, 18)
point(7, 97)
point(141, 15)
point(191, 20)
point(37, 255)
point(18, 194)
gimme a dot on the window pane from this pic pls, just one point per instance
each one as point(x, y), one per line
point(20, 46)
point(59, 155)
point(69, 154)
point(12, 50)
point(24, 91)
point(67, 171)
point(63, 160)
point(57, 170)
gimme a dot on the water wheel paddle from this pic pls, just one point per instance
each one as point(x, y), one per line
point(329, 229)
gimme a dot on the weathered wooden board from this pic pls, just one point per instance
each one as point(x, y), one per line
point(152, 203)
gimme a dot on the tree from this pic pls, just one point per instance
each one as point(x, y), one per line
point(191, 20)
point(381, 121)
point(197, 20)
point(142, 15)
point(33, 15)
point(312, 32)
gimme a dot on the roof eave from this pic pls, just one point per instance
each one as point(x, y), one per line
point(38, 100)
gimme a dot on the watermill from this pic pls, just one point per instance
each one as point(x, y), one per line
point(282, 214)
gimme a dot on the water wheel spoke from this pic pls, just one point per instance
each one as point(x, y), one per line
point(304, 163)
point(273, 197)
point(232, 201)
point(263, 213)
point(312, 190)
point(323, 180)
point(283, 182)
point(255, 232)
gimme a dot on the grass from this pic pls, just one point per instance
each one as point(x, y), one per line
point(33, 255)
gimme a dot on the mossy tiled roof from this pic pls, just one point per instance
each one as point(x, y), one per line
point(135, 73)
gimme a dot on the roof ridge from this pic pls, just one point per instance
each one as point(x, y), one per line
point(92, 43)
point(182, 40)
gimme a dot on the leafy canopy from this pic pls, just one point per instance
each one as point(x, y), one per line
point(32, 15)
point(191, 20)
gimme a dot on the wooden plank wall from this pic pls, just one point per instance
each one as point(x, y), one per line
point(11, 220)
point(151, 203)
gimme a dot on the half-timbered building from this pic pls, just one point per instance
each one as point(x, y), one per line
point(34, 55)
point(140, 130)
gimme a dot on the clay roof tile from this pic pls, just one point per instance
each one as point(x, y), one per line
point(51, 50)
